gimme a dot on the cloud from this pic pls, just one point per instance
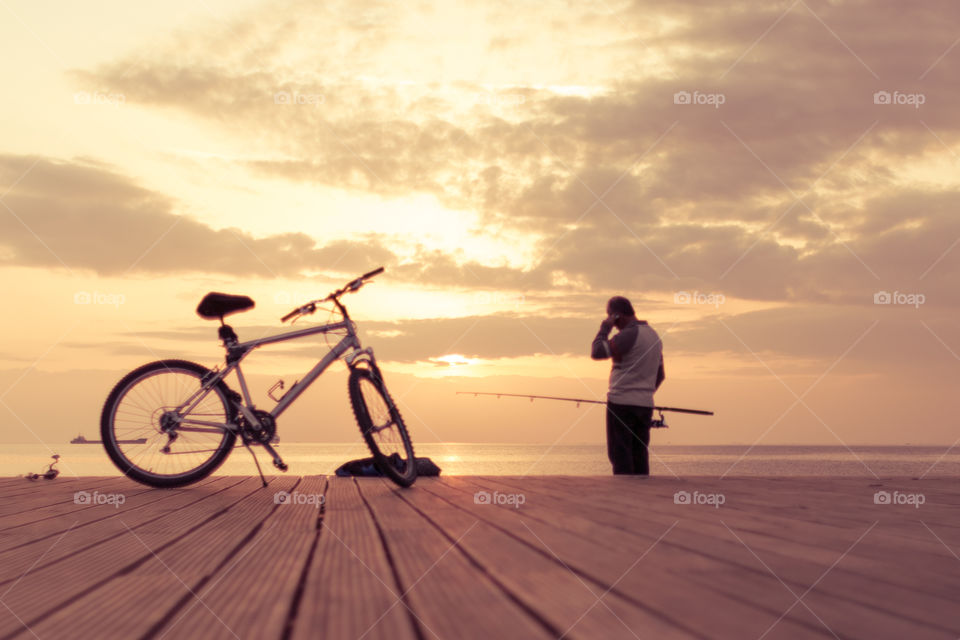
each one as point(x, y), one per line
point(896, 342)
point(859, 340)
point(619, 185)
point(83, 215)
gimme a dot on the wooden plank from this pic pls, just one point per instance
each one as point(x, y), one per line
point(821, 541)
point(705, 553)
point(63, 500)
point(132, 501)
point(449, 597)
point(175, 571)
point(16, 495)
point(251, 595)
point(51, 541)
point(793, 535)
point(20, 478)
point(349, 590)
point(809, 541)
point(639, 570)
point(686, 547)
point(583, 557)
point(43, 592)
point(573, 605)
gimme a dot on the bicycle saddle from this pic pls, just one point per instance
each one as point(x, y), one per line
point(216, 305)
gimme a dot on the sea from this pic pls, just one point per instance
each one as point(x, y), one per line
point(456, 458)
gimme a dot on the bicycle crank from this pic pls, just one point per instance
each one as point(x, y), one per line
point(262, 432)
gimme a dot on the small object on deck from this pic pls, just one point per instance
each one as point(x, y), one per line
point(49, 474)
point(365, 467)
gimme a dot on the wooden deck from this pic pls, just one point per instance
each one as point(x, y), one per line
point(598, 557)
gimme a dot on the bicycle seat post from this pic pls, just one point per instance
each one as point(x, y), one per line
point(227, 335)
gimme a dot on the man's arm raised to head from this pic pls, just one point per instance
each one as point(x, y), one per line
point(600, 350)
point(616, 346)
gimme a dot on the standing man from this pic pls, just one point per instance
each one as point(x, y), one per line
point(637, 372)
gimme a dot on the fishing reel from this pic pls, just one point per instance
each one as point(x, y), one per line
point(659, 422)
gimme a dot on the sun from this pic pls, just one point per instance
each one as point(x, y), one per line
point(454, 360)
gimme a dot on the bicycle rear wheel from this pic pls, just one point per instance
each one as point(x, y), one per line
point(137, 415)
point(382, 426)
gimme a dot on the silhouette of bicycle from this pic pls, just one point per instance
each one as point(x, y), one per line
point(173, 422)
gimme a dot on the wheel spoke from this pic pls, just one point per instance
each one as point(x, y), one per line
point(147, 405)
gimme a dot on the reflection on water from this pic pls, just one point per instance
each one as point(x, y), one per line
point(513, 459)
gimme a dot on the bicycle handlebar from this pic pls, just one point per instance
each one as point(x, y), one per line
point(353, 285)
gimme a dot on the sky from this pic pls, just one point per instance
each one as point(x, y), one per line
point(773, 184)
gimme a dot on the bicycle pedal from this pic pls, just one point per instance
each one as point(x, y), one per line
point(280, 464)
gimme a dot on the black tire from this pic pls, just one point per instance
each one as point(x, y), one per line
point(140, 399)
point(382, 426)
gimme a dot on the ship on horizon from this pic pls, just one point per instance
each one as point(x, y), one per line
point(81, 440)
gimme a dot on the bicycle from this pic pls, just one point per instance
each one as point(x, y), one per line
point(191, 418)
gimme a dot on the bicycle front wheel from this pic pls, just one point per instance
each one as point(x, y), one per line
point(382, 427)
point(136, 424)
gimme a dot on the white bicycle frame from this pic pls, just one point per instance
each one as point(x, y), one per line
point(238, 351)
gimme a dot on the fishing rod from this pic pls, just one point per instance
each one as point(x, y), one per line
point(659, 422)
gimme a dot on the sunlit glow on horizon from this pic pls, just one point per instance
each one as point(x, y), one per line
point(455, 360)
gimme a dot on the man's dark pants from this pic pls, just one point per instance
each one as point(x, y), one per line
point(628, 436)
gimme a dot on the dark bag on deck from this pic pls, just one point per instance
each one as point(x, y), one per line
point(366, 468)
